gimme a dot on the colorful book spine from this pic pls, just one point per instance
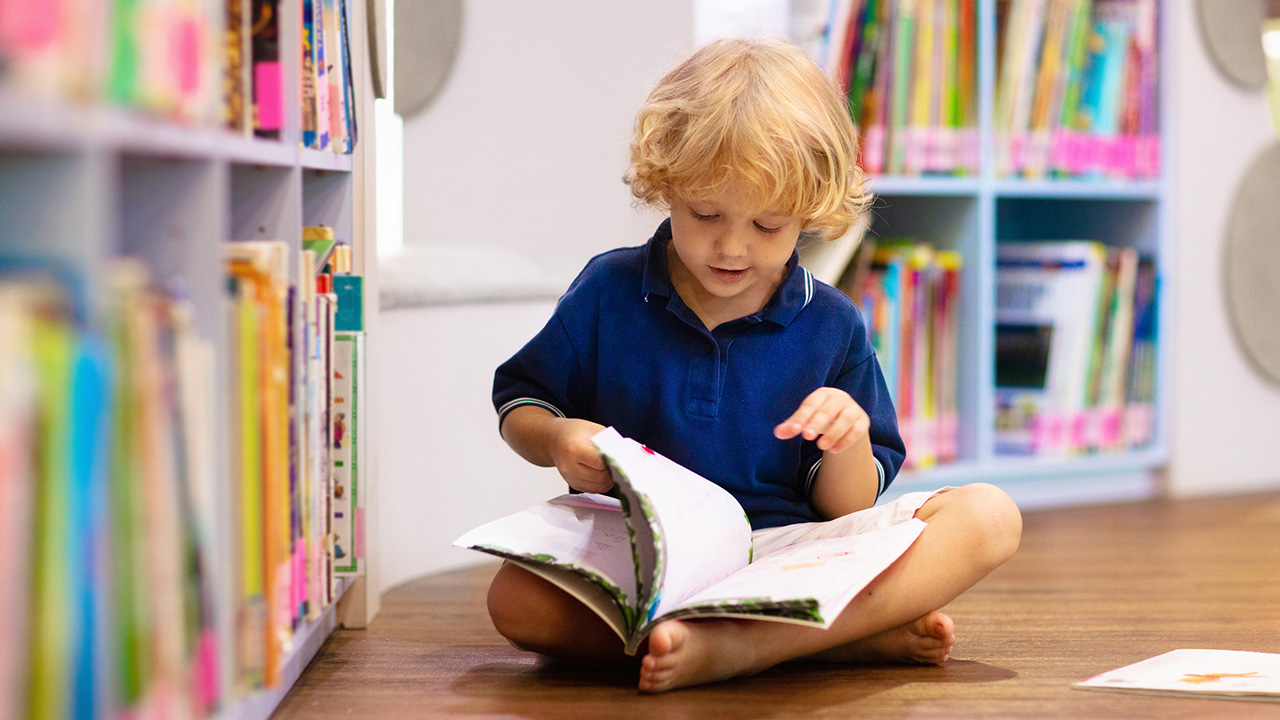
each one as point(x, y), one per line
point(908, 68)
point(909, 297)
point(1076, 92)
point(268, 70)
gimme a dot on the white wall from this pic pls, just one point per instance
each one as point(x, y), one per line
point(1225, 419)
point(525, 147)
point(443, 467)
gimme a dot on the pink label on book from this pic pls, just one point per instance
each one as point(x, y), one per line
point(1115, 161)
point(1075, 152)
point(359, 539)
point(1148, 156)
point(268, 95)
point(1091, 155)
point(187, 54)
point(970, 150)
point(873, 150)
point(28, 26)
point(1059, 157)
point(1078, 430)
point(1111, 428)
point(299, 575)
point(917, 150)
point(1039, 432)
point(1055, 431)
point(1129, 155)
point(208, 669)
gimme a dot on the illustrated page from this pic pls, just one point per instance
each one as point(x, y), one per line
point(829, 571)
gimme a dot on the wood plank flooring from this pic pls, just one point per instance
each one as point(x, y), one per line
point(1090, 589)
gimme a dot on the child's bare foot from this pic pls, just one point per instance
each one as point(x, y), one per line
point(927, 640)
point(690, 653)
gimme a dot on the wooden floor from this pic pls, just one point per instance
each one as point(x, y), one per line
point(1090, 590)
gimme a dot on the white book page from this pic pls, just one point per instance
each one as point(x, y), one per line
point(1209, 672)
point(700, 532)
point(584, 532)
point(830, 571)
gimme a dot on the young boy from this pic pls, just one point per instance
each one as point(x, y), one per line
point(710, 345)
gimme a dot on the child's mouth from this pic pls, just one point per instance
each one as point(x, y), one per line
point(728, 276)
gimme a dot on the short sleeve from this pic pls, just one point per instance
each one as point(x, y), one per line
point(541, 373)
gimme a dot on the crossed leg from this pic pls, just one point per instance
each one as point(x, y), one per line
point(970, 531)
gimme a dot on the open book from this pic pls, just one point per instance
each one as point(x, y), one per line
point(1222, 674)
point(677, 545)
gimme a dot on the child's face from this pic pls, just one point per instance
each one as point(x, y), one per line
point(726, 260)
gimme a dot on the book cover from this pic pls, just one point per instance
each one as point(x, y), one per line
point(237, 66)
point(18, 417)
point(268, 70)
point(265, 263)
point(345, 439)
point(1220, 674)
point(677, 545)
point(1046, 307)
point(1140, 389)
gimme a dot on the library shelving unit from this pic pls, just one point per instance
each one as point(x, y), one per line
point(82, 183)
point(973, 214)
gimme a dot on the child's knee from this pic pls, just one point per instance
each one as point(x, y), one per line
point(993, 520)
point(512, 603)
point(998, 514)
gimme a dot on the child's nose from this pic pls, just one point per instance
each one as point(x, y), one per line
point(732, 242)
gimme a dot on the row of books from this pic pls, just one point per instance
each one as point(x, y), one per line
point(152, 56)
point(124, 555)
point(296, 370)
point(108, 570)
point(909, 69)
point(909, 295)
point(1077, 88)
point(253, 74)
point(198, 62)
point(1075, 348)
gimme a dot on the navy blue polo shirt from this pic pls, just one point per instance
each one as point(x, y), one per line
point(623, 349)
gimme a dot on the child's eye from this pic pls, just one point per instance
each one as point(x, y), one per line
point(704, 218)
point(767, 229)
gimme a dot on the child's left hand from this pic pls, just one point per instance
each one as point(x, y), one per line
point(828, 415)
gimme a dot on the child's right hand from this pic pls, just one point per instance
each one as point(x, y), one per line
point(578, 460)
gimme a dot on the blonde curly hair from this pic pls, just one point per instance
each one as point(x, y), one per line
point(756, 112)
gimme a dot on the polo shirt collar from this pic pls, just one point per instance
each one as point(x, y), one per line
point(795, 292)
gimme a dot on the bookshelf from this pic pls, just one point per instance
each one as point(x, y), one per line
point(85, 182)
point(974, 214)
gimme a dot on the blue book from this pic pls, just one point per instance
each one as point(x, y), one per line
point(350, 292)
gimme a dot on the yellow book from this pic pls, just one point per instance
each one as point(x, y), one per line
point(267, 263)
point(251, 622)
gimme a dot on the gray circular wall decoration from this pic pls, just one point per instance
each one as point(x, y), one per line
point(1232, 32)
point(1252, 264)
point(427, 35)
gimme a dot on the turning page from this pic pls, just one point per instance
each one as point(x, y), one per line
point(583, 535)
point(699, 532)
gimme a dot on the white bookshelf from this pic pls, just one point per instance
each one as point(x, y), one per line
point(973, 214)
point(83, 183)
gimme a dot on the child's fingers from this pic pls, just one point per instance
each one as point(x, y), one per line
point(592, 480)
point(845, 430)
point(800, 419)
